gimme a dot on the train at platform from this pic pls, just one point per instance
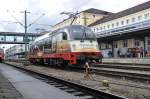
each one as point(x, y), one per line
point(71, 45)
point(1, 54)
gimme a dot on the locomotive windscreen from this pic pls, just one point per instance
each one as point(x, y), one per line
point(81, 33)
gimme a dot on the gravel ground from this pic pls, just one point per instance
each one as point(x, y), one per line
point(116, 86)
point(7, 90)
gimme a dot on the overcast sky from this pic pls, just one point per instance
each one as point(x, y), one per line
point(52, 9)
point(10, 11)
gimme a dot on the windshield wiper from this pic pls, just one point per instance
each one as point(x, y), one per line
point(84, 35)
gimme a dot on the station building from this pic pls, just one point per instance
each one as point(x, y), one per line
point(85, 17)
point(126, 33)
point(16, 52)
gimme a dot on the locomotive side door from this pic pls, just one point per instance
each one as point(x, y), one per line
point(54, 44)
point(65, 42)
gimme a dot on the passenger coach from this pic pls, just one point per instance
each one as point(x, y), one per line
point(1, 54)
point(72, 45)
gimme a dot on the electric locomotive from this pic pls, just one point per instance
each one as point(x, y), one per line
point(70, 45)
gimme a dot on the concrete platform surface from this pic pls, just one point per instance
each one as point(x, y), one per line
point(32, 88)
point(7, 90)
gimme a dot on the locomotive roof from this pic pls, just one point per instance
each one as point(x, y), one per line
point(47, 34)
point(41, 37)
point(73, 26)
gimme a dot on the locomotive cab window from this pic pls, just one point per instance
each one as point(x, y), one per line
point(65, 36)
point(81, 33)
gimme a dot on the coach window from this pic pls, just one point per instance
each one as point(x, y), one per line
point(64, 36)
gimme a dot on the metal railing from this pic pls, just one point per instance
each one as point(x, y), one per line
point(125, 29)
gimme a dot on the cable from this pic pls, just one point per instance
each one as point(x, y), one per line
point(15, 18)
point(43, 24)
point(36, 20)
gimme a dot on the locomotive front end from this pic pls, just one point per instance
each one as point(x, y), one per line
point(84, 46)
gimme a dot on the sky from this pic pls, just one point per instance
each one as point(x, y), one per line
point(11, 11)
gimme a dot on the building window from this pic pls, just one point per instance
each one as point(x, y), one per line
point(97, 29)
point(146, 15)
point(108, 26)
point(94, 30)
point(78, 16)
point(133, 19)
point(122, 22)
point(107, 46)
point(101, 28)
point(115, 44)
point(117, 24)
point(1, 38)
point(127, 21)
point(148, 43)
point(112, 25)
point(139, 17)
point(104, 27)
point(93, 15)
point(137, 43)
point(125, 43)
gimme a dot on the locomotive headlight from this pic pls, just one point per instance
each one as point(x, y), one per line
point(74, 47)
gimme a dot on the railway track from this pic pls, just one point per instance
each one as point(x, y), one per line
point(126, 74)
point(115, 73)
point(76, 89)
point(136, 73)
point(125, 67)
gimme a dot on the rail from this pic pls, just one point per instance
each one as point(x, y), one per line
point(94, 93)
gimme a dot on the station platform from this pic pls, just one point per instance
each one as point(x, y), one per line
point(32, 88)
point(135, 61)
point(7, 90)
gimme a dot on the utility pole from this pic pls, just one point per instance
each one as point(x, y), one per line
point(25, 28)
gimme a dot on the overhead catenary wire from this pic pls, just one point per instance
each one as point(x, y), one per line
point(36, 20)
point(15, 18)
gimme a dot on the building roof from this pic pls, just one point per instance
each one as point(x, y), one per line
point(97, 11)
point(91, 10)
point(129, 11)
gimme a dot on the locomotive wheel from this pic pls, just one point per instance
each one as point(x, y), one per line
point(65, 63)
